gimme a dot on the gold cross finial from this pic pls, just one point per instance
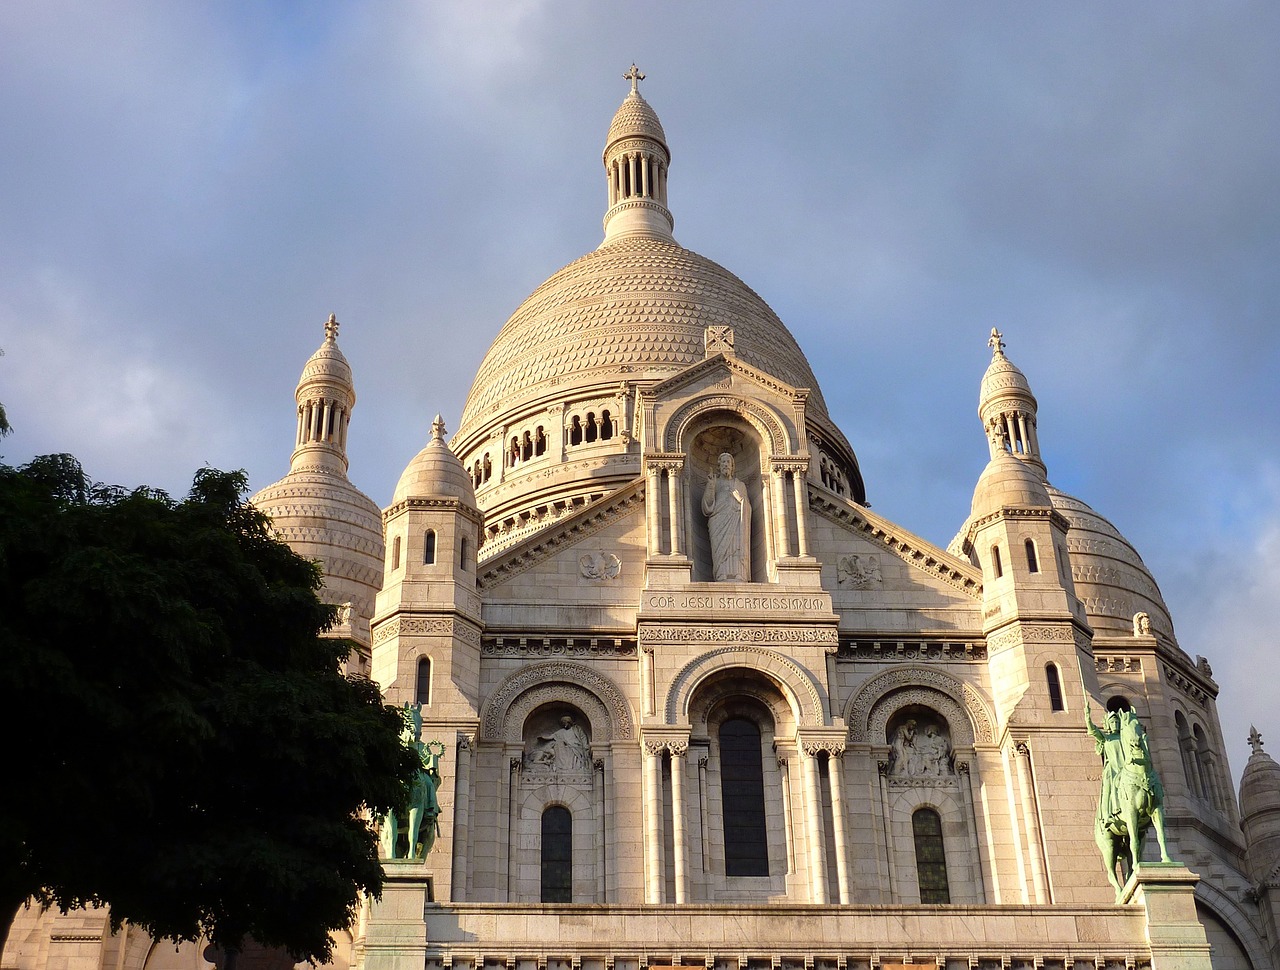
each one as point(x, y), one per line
point(635, 77)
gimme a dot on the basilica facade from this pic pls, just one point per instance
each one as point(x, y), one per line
point(699, 705)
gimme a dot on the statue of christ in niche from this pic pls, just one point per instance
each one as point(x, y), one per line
point(728, 512)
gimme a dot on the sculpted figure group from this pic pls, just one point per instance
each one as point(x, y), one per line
point(919, 752)
point(564, 749)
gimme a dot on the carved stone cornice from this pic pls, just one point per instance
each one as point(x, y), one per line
point(822, 636)
point(915, 552)
point(445, 504)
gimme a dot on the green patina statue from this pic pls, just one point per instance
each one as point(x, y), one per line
point(1132, 797)
point(424, 808)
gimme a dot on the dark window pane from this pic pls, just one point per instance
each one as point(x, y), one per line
point(931, 858)
point(557, 855)
point(422, 690)
point(746, 845)
point(1055, 688)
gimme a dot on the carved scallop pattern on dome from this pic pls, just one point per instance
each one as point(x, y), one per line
point(638, 305)
point(635, 117)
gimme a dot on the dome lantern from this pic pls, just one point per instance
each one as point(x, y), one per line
point(636, 159)
point(325, 395)
point(1008, 409)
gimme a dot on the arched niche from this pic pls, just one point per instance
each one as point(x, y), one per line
point(881, 697)
point(806, 702)
point(575, 686)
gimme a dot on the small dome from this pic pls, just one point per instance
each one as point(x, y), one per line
point(635, 119)
point(1007, 482)
point(1110, 577)
point(328, 365)
point(435, 472)
point(1002, 377)
point(322, 516)
point(1260, 810)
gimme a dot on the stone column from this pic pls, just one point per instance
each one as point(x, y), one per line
point(679, 762)
point(966, 789)
point(324, 420)
point(782, 531)
point(704, 812)
point(802, 510)
point(1031, 822)
point(766, 500)
point(461, 819)
point(813, 826)
point(513, 828)
point(788, 833)
point(644, 175)
point(602, 836)
point(673, 505)
point(835, 764)
point(652, 519)
point(655, 871)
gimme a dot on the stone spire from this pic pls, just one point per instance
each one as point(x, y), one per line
point(636, 159)
point(326, 394)
point(1008, 409)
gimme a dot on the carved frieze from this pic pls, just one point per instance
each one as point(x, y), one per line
point(446, 626)
point(853, 648)
point(816, 636)
point(557, 646)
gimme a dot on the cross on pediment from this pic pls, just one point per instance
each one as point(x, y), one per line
point(719, 340)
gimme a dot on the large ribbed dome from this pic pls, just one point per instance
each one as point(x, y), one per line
point(636, 310)
point(1110, 577)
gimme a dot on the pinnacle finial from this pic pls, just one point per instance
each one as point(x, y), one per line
point(437, 428)
point(996, 343)
point(1255, 740)
point(331, 327)
point(635, 77)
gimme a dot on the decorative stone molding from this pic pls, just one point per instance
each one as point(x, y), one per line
point(502, 645)
point(445, 504)
point(410, 625)
point(1187, 685)
point(767, 424)
point(858, 571)
point(915, 650)
point(796, 684)
point(815, 746)
point(582, 523)
point(823, 636)
point(914, 552)
point(506, 709)
point(1117, 664)
point(869, 710)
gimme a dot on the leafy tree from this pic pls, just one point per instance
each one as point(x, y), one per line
point(181, 745)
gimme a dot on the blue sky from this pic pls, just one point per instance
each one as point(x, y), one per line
point(188, 190)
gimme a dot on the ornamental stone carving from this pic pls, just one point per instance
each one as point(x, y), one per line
point(794, 681)
point(575, 684)
point(869, 710)
point(728, 510)
point(599, 567)
point(858, 571)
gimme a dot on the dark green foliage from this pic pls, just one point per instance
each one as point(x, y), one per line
point(180, 742)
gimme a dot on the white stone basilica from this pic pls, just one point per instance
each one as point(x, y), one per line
point(713, 711)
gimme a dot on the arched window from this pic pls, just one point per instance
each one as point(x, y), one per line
point(931, 856)
point(575, 431)
point(996, 568)
point(462, 552)
point(422, 686)
point(1054, 679)
point(539, 441)
point(429, 547)
point(557, 855)
point(606, 426)
point(526, 448)
point(513, 453)
point(488, 468)
point(1033, 563)
point(591, 426)
point(1187, 748)
point(1119, 703)
point(746, 844)
point(395, 553)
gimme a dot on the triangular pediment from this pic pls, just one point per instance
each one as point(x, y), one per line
point(874, 536)
point(612, 517)
point(707, 374)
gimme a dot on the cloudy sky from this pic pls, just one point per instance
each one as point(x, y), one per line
point(187, 190)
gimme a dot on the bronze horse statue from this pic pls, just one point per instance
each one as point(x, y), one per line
point(1132, 796)
point(424, 807)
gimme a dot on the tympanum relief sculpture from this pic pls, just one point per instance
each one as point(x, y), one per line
point(920, 749)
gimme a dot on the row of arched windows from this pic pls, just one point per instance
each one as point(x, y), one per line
point(481, 470)
point(1029, 549)
point(831, 474)
point(583, 429)
point(527, 446)
point(1200, 764)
